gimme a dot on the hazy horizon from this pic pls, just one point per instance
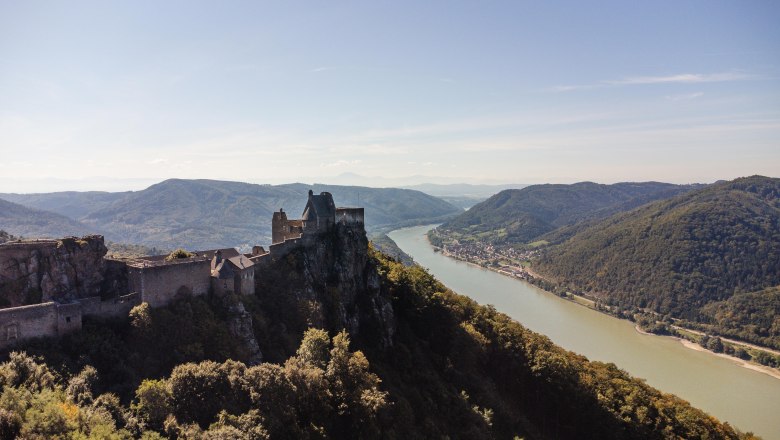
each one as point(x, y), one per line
point(124, 94)
point(108, 184)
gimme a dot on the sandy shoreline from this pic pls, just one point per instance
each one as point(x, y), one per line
point(741, 362)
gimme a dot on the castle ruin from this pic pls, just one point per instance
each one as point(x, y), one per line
point(73, 279)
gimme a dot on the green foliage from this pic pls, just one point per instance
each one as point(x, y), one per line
point(81, 387)
point(753, 317)
point(679, 255)
point(314, 348)
point(24, 371)
point(153, 403)
point(515, 382)
point(520, 215)
point(456, 369)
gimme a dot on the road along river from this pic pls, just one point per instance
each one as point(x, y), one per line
point(747, 399)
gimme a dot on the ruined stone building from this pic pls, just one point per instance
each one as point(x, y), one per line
point(66, 279)
point(319, 215)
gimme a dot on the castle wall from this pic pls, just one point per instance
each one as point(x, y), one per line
point(281, 249)
point(283, 228)
point(159, 284)
point(27, 322)
point(68, 318)
point(350, 216)
point(110, 308)
point(222, 287)
point(246, 282)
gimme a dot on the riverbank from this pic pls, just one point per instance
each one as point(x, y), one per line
point(741, 362)
point(528, 276)
point(745, 398)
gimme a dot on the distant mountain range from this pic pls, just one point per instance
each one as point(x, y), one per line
point(517, 216)
point(204, 213)
point(28, 222)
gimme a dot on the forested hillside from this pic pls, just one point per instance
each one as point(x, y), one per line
point(34, 223)
point(521, 215)
point(694, 257)
point(201, 214)
point(455, 369)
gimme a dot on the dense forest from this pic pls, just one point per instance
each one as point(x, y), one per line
point(703, 257)
point(455, 369)
point(518, 216)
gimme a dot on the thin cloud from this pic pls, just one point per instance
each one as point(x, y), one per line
point(683, 78)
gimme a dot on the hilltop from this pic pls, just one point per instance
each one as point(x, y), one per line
point(693, 257)
point(517, 216)
point(210, 213)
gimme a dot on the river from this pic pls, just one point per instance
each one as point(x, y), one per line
point(746, 399)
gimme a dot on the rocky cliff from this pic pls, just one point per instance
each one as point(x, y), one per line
point(325, 281)
point(45, 270)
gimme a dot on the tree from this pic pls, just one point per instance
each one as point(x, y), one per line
point(153, 402)
point(314, 348)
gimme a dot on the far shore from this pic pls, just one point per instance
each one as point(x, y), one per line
point(741, 362)
point(773, 372)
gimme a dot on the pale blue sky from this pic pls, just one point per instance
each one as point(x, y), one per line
point(300, 91)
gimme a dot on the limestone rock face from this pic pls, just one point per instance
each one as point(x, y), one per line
point(327, 281)
point(240, 327)
point(45, 270)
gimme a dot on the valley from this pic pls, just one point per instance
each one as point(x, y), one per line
point(743, 397)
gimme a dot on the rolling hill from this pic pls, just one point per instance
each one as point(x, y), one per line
point(520, 215)
point(211, 213)
point(681, 255)
point(34, 223)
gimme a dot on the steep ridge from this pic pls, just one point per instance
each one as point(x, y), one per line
point(521, 215)
point(677, 256)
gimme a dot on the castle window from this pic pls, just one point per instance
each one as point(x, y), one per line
point(67, 319)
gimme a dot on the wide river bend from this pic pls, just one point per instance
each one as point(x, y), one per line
point(747, 399)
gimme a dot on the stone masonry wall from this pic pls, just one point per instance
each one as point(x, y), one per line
point(159, 285)
point(350, 216)
point(25, 322)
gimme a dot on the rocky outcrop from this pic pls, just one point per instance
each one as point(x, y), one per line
point(241, 328)
point(327, 281)
point(44, 270)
